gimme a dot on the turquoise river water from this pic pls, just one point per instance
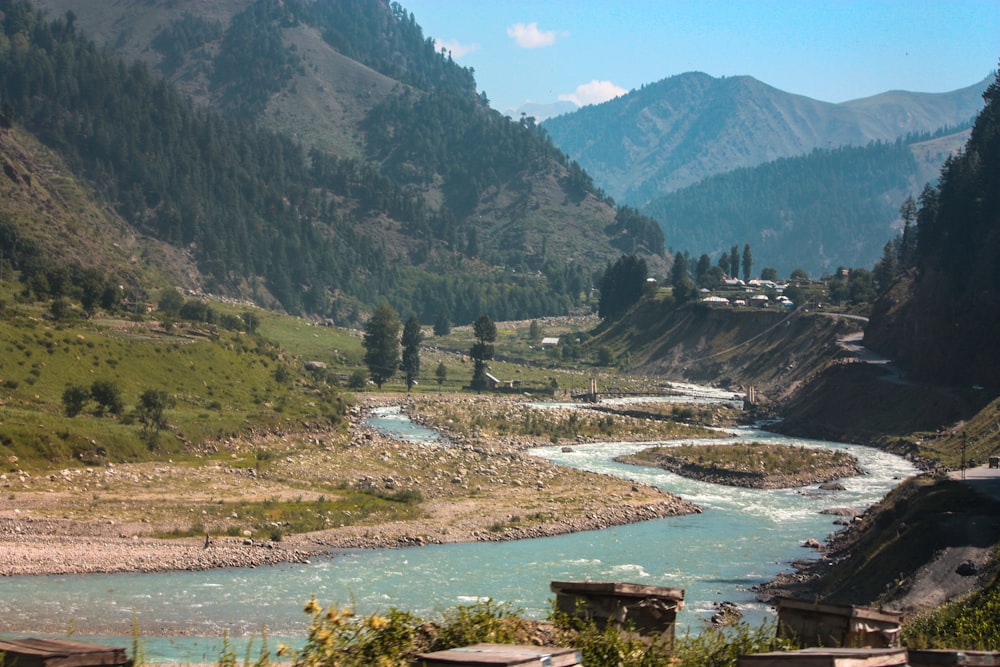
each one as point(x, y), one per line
point(743, 537)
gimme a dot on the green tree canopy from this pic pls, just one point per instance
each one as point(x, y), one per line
point(621, 286)
point(482, 350)
point(381, 343)
point(150, 410)
point(412, 337)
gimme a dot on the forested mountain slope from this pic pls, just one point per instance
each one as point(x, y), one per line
point(410, 190)
point(940, 321)
point(682, 129)
point(820, 211)
point(46, 212)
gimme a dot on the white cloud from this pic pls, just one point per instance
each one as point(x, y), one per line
point(594, 92)
point(528, 36)
point(456, 49)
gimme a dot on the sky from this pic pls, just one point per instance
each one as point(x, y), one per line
point(589, 51)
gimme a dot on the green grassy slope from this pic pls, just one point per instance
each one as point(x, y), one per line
point(222, 383)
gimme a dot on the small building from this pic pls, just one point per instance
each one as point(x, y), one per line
point(501, 654)
point(549, 342)
point(716, 300)
point(492, 381)
point(32, 652)
point(827, 657)
point(818, 624)
point(646, 609)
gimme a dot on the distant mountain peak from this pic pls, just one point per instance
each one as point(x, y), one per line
point(681, 129)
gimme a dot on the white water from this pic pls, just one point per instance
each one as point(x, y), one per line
point(744, 537)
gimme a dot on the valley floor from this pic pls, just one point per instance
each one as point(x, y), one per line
point(108, 519)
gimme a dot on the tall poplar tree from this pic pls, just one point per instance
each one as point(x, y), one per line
point(412, 337)
point(482, 350)
point(381, 343)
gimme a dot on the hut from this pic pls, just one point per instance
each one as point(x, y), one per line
point(818, 624)
point(645, 609)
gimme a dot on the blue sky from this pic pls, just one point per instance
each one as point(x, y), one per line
point(587, 51)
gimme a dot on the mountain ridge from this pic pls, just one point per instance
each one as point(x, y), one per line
point(412, 190)
point(676, 131)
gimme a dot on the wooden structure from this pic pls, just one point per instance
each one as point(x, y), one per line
point(827, 657)
point(59, 653)
point(479, 655)
point(645, 609)
point(951, 658)
point(818, 624)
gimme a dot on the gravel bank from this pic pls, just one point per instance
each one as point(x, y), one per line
point(109, 519)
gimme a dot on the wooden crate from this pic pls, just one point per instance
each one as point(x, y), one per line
point(827, 657)
point(506, 655)
point(943, 657)
point(820, 624)
point(60, 653)
point(647, 609)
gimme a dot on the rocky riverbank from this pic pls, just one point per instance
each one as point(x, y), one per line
point(115, 518)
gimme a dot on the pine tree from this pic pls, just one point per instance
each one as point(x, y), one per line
point(381, 343)
point(621, 286)
point(908, 244)
point(412, 337)
point(482, 350)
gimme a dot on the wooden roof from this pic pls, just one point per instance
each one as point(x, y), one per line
point(60, 653)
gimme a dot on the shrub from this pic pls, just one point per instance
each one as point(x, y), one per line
point(74, 399)
point(108, 396)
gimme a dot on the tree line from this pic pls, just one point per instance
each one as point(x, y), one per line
point(387, 351)
point(253, 208)
point(819, 210)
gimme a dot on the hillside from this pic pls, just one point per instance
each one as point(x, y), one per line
point(682, 129)
point(939, 321)
point(830, 208)
point(408, 189)
point(771, 350)
point(46, 212)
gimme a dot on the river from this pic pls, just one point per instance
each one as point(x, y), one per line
point(744, 537)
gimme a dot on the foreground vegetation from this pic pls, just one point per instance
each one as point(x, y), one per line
point(337, 637)
point(972, 624)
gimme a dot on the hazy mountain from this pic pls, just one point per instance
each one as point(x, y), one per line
point(830, 208)
point(680, 130)
point(327, 157)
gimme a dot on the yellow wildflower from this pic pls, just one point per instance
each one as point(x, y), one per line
point(377, 622)
point(312, 607)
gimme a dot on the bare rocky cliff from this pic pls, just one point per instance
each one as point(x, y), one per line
point(772, 350)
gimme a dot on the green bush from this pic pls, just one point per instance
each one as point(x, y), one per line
point(972, 624)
